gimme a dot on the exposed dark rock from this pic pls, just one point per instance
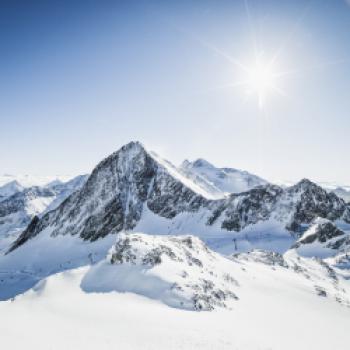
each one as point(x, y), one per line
point(326, 234)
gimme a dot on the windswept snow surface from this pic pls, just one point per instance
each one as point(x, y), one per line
point(44, 256)
point(284, 303)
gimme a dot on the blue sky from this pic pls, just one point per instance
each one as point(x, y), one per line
point(78, 79)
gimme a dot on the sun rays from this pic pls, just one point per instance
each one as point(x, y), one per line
point(264, 74)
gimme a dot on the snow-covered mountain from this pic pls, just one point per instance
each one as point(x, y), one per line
point(27, 180)
point(220, 181)
point(342, 191)
point(113, 197)
point(10, 189)
point(19, 205)
point(134, 187)
point(64, 189)
point(12, 184)
point(135, 190)
point(140, 236)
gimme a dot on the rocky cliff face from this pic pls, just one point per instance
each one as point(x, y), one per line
point(313, 201)
point(248, 208)
point(114, 195)
point(323, 239)
point(294, 206)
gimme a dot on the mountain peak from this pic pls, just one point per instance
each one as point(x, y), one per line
point(126, 152)
point(10, 188)
point(132, 148)
point(114, 196)
point(202, 163)
point(220, 181)
point(305, 183)
point(133, 145)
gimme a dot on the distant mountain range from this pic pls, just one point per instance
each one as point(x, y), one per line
point(19, 203)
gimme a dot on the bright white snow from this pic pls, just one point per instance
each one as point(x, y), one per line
point(278, 308)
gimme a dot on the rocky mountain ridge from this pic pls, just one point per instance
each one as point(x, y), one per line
point(120, 188)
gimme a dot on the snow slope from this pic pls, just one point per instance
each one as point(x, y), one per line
point(284, 302)
point(180, 271)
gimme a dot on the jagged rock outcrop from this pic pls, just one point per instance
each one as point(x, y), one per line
point(294, 206)
point(321, 231)
point(313, 201)
point(323, 239)
point(243, 209)
point(180, 271)
point(262, 256)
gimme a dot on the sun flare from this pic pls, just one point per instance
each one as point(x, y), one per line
point(261, 80)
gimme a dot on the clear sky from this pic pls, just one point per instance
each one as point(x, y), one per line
point(78, 79)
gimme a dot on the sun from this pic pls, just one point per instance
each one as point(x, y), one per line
point(261, 80)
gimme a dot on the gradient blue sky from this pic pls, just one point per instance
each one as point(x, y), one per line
point(78, 79)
